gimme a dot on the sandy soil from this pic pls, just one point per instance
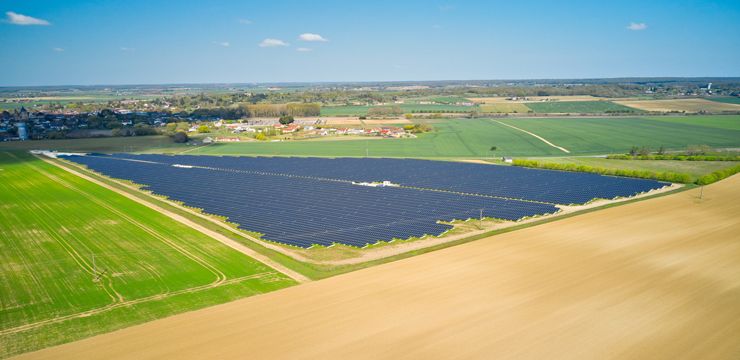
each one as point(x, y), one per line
point(687, 105)
point(657, 279)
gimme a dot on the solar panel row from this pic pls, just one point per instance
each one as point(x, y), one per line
point(304, 211)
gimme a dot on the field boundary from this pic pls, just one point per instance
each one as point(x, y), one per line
point(181, 219)
point(536, 136)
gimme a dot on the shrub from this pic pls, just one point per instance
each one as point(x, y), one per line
point(180, 137)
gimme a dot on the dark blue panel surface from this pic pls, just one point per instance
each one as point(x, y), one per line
point(306, 201)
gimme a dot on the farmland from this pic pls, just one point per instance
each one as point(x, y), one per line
point(502, 107)
point(78, 260)
point(726, 99)
point(587, 107)
point(473, 138)
point(681, 105)
point(359, 110)
point(653, 279)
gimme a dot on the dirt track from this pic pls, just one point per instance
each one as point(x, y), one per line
point(653, 279)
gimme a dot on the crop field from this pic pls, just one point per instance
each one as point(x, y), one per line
point(77, 259)
point(503, 99)
point(680, 105)
point(656, 279)
point(509, 107)
point(589, 107)
point(358, 110)
point(718, 122)
point(473, 138)
point(726, 99)
point(617, 135)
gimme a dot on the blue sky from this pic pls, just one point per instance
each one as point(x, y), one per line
point(148, 42)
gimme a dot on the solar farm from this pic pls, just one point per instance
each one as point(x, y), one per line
point(356, 201)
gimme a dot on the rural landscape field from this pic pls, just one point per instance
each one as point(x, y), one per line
point(369, 180)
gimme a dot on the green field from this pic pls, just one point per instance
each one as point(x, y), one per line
point(510, 107)
point(693, 168)
point(146, 266)
point(726, 99)
point(719, 122)
point(618, 135)
point(472, 138)
point(358, 110)
point(579, 107)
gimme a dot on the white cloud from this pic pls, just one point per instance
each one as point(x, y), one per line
point(303, 49)
point(58, 49)
point(127, 49)
point(312, 37)
point(273, 43)
point(436, 26)
point(245, 21)
point(19, 19)
point(222, 43)
point(637, 26)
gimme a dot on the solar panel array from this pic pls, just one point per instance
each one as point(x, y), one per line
point(307, 201)
point(557, 187)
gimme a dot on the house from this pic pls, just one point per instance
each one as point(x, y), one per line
point(291, 128)
point(507, 160)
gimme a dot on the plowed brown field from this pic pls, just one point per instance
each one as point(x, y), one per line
point(657, 279)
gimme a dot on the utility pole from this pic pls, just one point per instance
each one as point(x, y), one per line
point(480, 219)
point(701, 192)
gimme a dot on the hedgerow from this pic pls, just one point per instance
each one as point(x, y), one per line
point(644, 174)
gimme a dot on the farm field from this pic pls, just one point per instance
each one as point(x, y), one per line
point(503, 99)
point(726, 99)
point(617, 135)
point(78, 260)
point(590, 107)
point(357, 110)
point(693, 168)
point(473, 138)
point(655, 279)
point(719, 122)
point(509, 107)
point(680, 105)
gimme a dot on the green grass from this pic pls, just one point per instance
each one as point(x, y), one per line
point(577, 107)
point(53, 222)
point(695, 169)
point(726, 99)
point(716, 121)
point(617, 135)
